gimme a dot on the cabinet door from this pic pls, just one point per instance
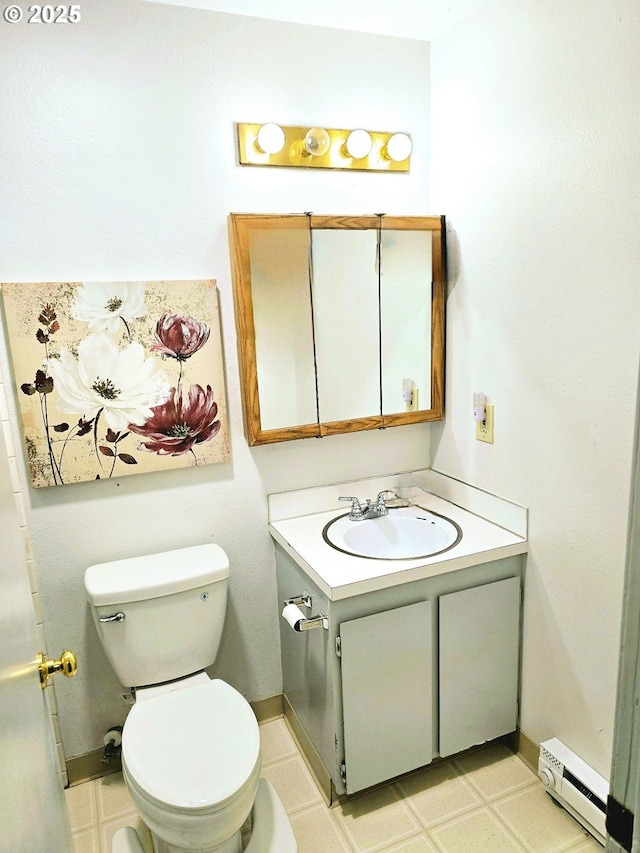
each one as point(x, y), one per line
point(478, 655)
point(387, 673)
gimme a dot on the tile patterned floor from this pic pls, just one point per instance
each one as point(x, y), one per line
point(486, 801)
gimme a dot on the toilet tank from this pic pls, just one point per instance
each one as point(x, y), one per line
point(172, 608)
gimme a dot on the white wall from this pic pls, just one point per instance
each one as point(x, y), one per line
point(535, 161)
point(120, 139)
point(422, 19)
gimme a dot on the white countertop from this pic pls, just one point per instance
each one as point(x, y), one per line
point(340, 575)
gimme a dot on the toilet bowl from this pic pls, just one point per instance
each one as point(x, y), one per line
point(190, 744)
point(191, 762)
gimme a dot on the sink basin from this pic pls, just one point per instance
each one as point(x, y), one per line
point(404, 534)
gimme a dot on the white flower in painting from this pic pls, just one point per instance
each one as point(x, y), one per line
point(120, 383)
point(104, 304)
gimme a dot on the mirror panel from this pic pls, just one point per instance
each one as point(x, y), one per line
point(283, 328)
point(345, 307)
point(405, 309)
point(332, 314)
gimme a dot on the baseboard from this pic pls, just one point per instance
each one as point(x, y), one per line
point(528, 750)
point(269, 709)
point(83, 768)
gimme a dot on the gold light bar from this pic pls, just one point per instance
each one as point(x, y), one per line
point(322, 148)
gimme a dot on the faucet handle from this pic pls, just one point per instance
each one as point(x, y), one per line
point(356, 508)
point(381, 506)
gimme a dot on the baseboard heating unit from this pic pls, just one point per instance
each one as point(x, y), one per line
point(575, 785)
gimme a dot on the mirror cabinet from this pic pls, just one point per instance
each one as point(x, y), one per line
point(340, 322)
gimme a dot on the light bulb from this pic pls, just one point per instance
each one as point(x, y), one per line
point(316, 142)
point(270, 138)
point(398, 147)
point(358, 144)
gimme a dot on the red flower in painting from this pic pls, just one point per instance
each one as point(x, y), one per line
point(176, 425)
point(179, 336)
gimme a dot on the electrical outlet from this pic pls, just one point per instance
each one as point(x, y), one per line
point(484, 429)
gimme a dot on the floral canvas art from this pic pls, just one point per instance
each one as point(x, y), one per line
point(117, 378)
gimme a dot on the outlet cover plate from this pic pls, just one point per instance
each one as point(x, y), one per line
point(484, 429)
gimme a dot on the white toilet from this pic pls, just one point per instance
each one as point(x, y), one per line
point(190, 744)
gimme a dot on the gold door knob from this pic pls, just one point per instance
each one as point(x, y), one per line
point(67, 664)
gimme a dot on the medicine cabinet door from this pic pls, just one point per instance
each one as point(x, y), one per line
point(346, 323)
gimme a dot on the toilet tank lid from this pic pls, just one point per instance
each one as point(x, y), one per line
point(153, 575)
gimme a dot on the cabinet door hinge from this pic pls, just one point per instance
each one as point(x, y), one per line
point(338, 645)
point(343, 773)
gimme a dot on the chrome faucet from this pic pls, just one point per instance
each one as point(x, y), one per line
point(369, 510)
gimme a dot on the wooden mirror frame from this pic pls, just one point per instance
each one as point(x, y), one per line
point(240, 226)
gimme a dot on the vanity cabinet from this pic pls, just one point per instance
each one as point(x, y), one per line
point(404, 674)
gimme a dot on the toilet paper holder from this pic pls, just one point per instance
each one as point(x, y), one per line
point(321, 620)
point(304, 599)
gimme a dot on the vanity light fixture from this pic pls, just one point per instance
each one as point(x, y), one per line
point(317, 147)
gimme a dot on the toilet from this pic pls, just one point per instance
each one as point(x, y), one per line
point(190, 744)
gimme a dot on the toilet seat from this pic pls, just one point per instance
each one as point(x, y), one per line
point(193, 749)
